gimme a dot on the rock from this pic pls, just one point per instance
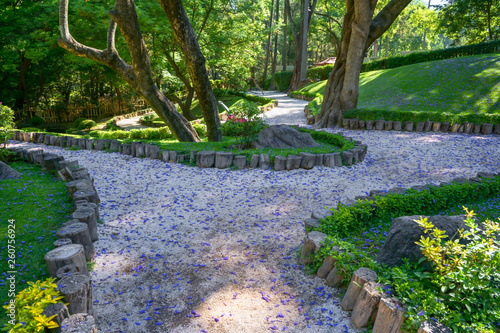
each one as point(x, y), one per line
point(420, 127)
point(6, 172)
point(312, 244)
point(289, 162)
point(485, 175)
point(379, 124)
point(282, 136)
point(327, 265)
point(334, 279)
point(388, 125)
point(165, 156)
point(89, 144)
point(359, 278)
point(308, 160)
point(310, 120)
point(404, 232)
point(345, 123)
point(369, 124)
point(154, 152)
point(487, 129)
point(347, 156)
point(311, 223)
point(223, 159)
point(99, 144)
point(51, 162)
point(436, 126)
point(140, 150)
point(254, 161)
point(264, 161)
point(318, 160)
point(396, 126)
point(356, 153)
point(127, 149)
point(240, 162)
point(397, 190)
point(328, 160)
point(279, 163)
point(205, 159)
point(321, 213)
point(461, 128)
point(433, 327)
point(445, 127)
point(181, 158)
point(428, 126)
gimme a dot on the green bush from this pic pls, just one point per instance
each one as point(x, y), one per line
point(36, 121)
point(422, 116)
point(244, 123)
point(86, 124)
point(259, 99)
point(200, 129)
point(319, 73)
point(77, 122)
point(72, 131)
point(266, 84)
point(32, 129)
point(283, 79)
point(110, 125)
point(6, 123)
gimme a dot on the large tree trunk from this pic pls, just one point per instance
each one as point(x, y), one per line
point(195, 60)
point(138, 75)
point(358, 33)
point(283, 52)
point(275, 55)
point(22, 99)
point(268, 45)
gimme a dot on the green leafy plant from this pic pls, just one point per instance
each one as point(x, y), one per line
point(29, 305)
point(6, 123)
point(36, 121)
point(77, 122)
point(86, 124)
point(200, 129)
point(283, 79)
point(245, 123)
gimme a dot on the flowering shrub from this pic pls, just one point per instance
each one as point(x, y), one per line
point(245, 123)
point(6, 123)
point(29, 305)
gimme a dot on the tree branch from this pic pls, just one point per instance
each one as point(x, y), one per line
point(330, 18)
point(111, 37)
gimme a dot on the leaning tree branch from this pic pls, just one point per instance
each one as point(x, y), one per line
point(384, 19)
point(111, 37)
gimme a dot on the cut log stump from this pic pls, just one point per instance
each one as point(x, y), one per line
point(88, 193)
point(79, 234)
point(73, 254)
point(77, 291)
point(62, 242)
point(358, 280)
point(390, 316)
point(87, 215)
point(366, 304)
point(79, 323)
point(60, 311)
point(66, 270)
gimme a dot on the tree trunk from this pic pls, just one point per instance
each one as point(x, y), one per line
point(359, 31)
point(283, 52)
point(22, 85)
point(138, 75)
point(386, 46)
point(268, 45)
point(375, 49)
point(195, 60)
point(275, 56)
point(425, 31)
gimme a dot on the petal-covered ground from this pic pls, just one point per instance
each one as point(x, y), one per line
point(185, 249)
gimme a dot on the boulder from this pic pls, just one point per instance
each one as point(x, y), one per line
point(404, 232)
point(6, 172)
point(282, 136)
point(321, 213)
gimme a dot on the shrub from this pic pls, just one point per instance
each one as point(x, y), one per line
point(259, 99)
point(77, 122)
point(6, 123)
point(319, 73)
point(36, 121)
point(71, 131)
point(29, 305)
point(200, 129)
point(32, 129)
point(244, 123)
point(86, 124)
point(283, 79)
point(148, 118)
point(266, 83)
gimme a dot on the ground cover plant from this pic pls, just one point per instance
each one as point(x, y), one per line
point(467, 87)
point(39, 203)
point(419, 289)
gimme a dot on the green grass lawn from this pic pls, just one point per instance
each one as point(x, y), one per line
point(459, 85)
point(39, 203)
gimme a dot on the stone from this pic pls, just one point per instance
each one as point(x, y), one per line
point(461, 128)
point(345, 123)
point(420, 126)
point(264, 161)
point(51, 162)
point(254, 161)
point(362, 124)
point(378, 192)
point(71, 165)
point(223, 159)
point(485, 175)
point(312, 244)
point(32, 152)
point(82, 143)
point(334, 278)
point(46, 139)
point(311, 223)
point(147, 150)
point(487, 129)
point(240, 162)
point(289, 162)
point(433, 327)
point(327, 265)
point(355, 154)
point(369, 124)
point(165, 156)
point(308, 160)
point(205, 159)
point(348, 157)
point(359, 278)
point(379, 124)
point(283, 136)
point(477, 129)
point(328, 160)
point(397, 190)
point(321, 213)
point(455, 127)
point(404, 232)
point(388, 125)
point(318, 160)
point(445, 127)
point(279, 163)
point(436, 126)
point(337, 160)
point(396, 126)
point(41, 138)
point(114, 146)
point(497, 129)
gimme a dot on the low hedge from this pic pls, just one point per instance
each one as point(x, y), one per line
point(354, 219)
point(283, 79)
point(264, 101)
point(319, 73)
point(422, 116)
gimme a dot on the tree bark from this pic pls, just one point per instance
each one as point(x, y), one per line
point(138, 75)
point(359, 31)
point(275, 55)
point(195, 60)
point(268, 45)
point(283, 52)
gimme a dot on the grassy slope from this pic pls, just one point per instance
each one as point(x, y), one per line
point(228, 100)
point(39, 204)
point(459, 85)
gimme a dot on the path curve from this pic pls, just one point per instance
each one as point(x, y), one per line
point(132, 123)
point(290, 111)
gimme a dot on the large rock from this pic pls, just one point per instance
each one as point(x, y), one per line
point(404, 232)
point(6, 172)
point(282, 136)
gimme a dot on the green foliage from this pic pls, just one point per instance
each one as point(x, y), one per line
point(148, 118)
point(78, 121)
point(266, 84)
point(422, 116)
point(319, 73)
point(245, 123)
point(283, 79)
point(6, 123)
point(347, 220)
point(72, 131)
point(110, 125)
point(7, 156)
point(259, 99)
point(335, 140)
point(201, 129)
point(36, 121)
point(418, 57)
point(32, 129)
point(86, 124)
point(29, 305)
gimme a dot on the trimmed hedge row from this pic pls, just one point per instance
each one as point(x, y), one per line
point(422, 116)
point(364, 214)
point(283, 79)
point(321, 73)
point(259, 99)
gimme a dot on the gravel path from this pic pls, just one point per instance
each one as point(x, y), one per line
point(185, 249)
point(290, 111)
point(132, 123)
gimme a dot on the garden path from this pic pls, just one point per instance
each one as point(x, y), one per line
point(290, 111)
point(184, 249)
point(132, 123)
